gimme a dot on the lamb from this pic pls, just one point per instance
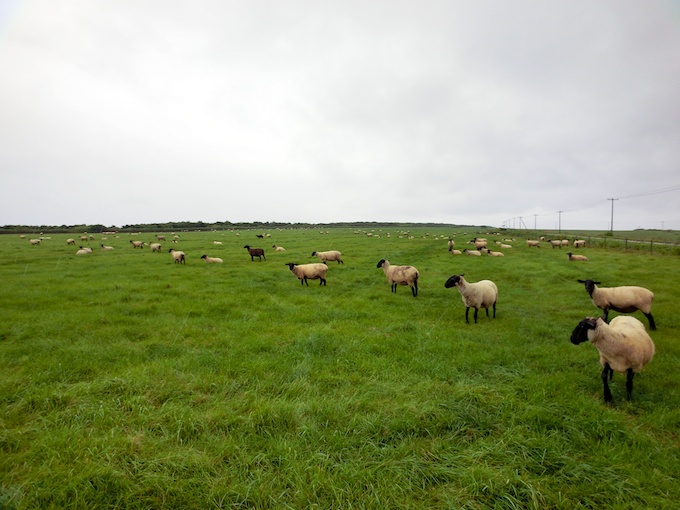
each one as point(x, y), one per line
point(400, 275)
point(137, 244)
point(624, 346)
point(106, 248)
point(326, 256)
point(571, 256)
point(255, 252)
point(278, 248)
point(555, 243)
point(178, 256)
point(579, 243)
point(531, 243)
point(155, 247)
point(304, 272)
point(474, 253)
point(212, 260)
point(624, 299)
point(482, 294)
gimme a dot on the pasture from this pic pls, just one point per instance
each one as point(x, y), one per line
point(129, 381)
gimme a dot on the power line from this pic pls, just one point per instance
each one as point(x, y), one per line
point(656, 192)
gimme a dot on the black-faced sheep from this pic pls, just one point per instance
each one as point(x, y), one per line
point(482, 294)
point(579, 243)
point(576, 258)
point(625, 299)
point(178, 256)
point(531, 242)
point(555, 243)
point(278, 248)
point(212, 260)
point(624, 346)
point(255, 252)
point(304, 272)
point(106, 248)
point(400, 275)
point(474, 253)
point(155, 247)
point(137, 244)
point(329, 256)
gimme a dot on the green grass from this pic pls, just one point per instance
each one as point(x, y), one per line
point(131, 382)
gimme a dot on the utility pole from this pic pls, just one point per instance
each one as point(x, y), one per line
point(559, 221)
point(611, 221)
point(535, 221)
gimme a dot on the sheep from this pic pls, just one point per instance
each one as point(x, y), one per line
point(495, 254)
point(531, 243)
point(565, 242)
point(255, 252)
point(579, 243)
point(400, 275)
point(34, 242)
point(160, 238)
point(624, 346)
point(106, 248)
point(136, 244)
point(155, 247)
point(326, 256)
point(71, 242)
point(83, 251)
point(217, 242)
point(474, 253)
point(451, 243)
point(212, 260)
point(506, 246)
point(624, 299)
point(278, 248)
point(456, 252)
point(479, 243)
point(571, 256)
point(178, 256)
point(304, 272)
point(555, 243)
point(482, 294)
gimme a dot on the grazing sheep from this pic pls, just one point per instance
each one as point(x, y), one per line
point(624, 346)
point(482, 294)
point(474, 253)
point(34, 242)
point(160, 238)
point(278, 248)
point(212, 260)
point(626, 299)
point(579, 243)
point(555, 243)
point(155, 247)
point(400, 275)
point(326, 256)
point(304, 272)
point(531, 243)
point(255, 252)
point(71, 241)
point(137, 244)
point(106, 248)
point(178, 256)
point(571, 256)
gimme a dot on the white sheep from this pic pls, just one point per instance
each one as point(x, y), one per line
point(506, 246)
point(155, 247)
point(456, 252)
point(555, 243)
point(106, 248)
point(624, 346)
point(278, 248)
point(625, 299)
point(495, 254)
point(571, 256)
point(400, 275)
point(178, 256)
point(71, 242)
point(326, 256)
point(474, 253)
point(212, 260)
point(579, 243)
point(137, 244)
point(34, 242)
point(304, 272)
point(482, 294)
point(83, 251)
point(531, 242)
point(451, 244)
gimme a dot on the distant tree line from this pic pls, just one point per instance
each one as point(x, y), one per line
point(184, 226)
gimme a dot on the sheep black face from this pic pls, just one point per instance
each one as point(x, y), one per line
point(380, 264)
point(590, 285)
point(454, 281)
point(580, 333)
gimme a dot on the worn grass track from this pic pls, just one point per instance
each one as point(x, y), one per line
point(130, 382)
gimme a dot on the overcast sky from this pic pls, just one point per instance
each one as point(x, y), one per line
point(471, 112)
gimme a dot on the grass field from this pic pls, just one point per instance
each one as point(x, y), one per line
point(131, 382)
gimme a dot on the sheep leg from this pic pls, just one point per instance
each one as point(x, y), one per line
point(487, 311)
point(394, 288)
point(605, 315)
point(494, 310)
point(467, 309)
point(304, 281)
point(652, 324)
point(322, 282)
point(476, 311)
point(629, 383)
point(414, 289)
point(605, 375)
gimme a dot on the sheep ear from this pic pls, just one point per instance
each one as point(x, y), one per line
point(597, 283)
point(580, 281)
point(604, 318)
